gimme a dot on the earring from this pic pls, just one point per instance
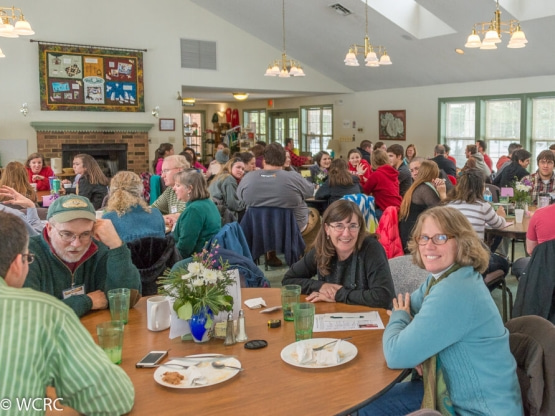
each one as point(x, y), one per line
point(328, 237)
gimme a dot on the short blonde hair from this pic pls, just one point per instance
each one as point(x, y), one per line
point(471, 251)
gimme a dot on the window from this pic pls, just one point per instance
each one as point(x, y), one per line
point(543, 125)
point(460, 128)
point(502, 126)
point(316, 128)
point(258, 117)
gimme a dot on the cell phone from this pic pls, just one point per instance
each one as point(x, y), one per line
point(151, 359)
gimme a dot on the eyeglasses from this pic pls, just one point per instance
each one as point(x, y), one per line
point(341, 227)
point(29, 257)
point(438, 239)
point(168, 170)
point(68, 237)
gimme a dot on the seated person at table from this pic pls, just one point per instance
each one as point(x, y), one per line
point(383, 184)
point(79, 258)
point(44, 344)
point(200, 221)
point(427, 191)
point(31, 218)
point(468, 198)
point(319, 171)
point(128, 211)
point(543, 180)
point(93, 184)
point(516, 169)
point(168, 203)
point(340, 182)
point(350, 264)
point(38, 172)
point(223, 188)
point(14, 175)
point(450, 329)
point(359, 166)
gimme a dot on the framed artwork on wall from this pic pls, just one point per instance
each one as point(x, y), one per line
point(167, 124)
point(392, 125)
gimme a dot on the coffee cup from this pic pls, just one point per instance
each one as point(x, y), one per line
point(158, 313)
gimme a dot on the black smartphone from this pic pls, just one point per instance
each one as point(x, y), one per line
point(151, 359)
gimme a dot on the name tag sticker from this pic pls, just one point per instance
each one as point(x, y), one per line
point(77, 290)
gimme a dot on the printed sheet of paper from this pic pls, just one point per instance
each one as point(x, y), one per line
point(347, 321)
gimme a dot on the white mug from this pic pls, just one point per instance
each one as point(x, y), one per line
point(158, 313)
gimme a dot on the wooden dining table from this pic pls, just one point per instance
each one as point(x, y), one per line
point(515, 232)
point(268, 385)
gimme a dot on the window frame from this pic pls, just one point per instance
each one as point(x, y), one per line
point(304, 131)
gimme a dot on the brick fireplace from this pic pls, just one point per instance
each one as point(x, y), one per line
point(132, 139)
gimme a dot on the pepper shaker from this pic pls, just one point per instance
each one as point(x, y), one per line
point(229, 330)
point(241, 331)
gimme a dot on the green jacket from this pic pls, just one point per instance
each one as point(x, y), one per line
point(105, 269)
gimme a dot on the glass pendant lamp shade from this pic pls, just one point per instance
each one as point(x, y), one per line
point(492, 37)
point(385, 59)
point(473, 40)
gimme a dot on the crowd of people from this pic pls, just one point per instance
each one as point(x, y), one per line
point(76, 255)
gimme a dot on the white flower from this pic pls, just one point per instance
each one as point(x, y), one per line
point(211, 276)
point(186, 276)
point(198, 282)
point(195, 268)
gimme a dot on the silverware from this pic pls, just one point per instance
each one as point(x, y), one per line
point(219, 364)
point(321, 347)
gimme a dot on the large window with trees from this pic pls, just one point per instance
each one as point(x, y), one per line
point(258, 118)
point(316, 128)
point(528, 119)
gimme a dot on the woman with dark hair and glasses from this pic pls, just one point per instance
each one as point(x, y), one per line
point(350, 264)
point(200, 221)
point(449, 329)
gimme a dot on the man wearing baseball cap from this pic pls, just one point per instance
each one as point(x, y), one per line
point(78, 258)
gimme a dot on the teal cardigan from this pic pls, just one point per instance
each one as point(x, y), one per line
point(459, 321)
point(197, 224)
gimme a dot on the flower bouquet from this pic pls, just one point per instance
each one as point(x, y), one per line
point(200, 291)
point(321, 177)
point(522, 190)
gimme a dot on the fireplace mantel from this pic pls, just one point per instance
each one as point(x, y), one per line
point(85, 127)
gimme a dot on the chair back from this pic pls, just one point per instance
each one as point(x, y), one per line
point(367, 207)
point(407, 277)
point(152, 256)
point(230, 237)
point(535, 294)
point(495, 192)
point(531, 341)
point(155, 188)
point(388, 230)
point(272, 228)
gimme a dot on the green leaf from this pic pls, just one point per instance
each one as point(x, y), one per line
point(209, 322)
point(185, 312)
point(178, 304)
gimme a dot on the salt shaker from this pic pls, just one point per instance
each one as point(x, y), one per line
point(241, 331)
point(229, 330)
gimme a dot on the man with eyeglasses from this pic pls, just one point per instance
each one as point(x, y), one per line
point(543, 179)
point(79, 258)
point(43, 343)
point(168, 203)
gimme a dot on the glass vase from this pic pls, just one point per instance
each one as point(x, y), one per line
point(198, 325)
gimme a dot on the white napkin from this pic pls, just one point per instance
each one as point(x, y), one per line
point(329, 357)
point(255, 303)
point(194, 376)
point(304, 353)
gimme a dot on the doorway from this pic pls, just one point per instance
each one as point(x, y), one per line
point(284, 124)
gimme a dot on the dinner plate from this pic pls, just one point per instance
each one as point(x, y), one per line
point(347, 352)
point(213, 375)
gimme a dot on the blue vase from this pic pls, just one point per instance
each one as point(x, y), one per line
point(197, 324)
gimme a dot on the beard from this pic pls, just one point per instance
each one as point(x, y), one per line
point(71, 254)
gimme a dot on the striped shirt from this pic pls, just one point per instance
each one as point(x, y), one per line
point(479, 214)
point(44, 344)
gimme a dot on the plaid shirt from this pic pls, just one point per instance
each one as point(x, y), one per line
point(297, 160)
point(539, 187)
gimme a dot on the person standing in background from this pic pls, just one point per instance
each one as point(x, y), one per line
point(165, 149)
point(365, 150)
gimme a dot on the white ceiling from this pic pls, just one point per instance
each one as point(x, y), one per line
point(422, 50)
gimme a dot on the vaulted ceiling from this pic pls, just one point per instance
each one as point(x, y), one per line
point(420, 36)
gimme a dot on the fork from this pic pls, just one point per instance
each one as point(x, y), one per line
point(321, 347)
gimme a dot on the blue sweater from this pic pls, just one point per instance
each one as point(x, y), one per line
point(459, 321)
point(137, 223)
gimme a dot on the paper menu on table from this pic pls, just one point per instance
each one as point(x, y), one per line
point(347, 321)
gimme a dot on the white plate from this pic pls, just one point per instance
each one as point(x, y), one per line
point(347, 352)
point(212, 375)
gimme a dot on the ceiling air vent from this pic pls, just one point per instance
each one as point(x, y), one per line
point(342, 10)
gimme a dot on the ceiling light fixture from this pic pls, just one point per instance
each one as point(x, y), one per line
point(240, 96)
point(284, 67)
point(13, 23)
point(493, 30)
point(374, 55)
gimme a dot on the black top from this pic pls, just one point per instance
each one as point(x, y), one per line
point(445, 164)
point(95, 193)
point(369, 284)
point(335, 193)
point(507, 175)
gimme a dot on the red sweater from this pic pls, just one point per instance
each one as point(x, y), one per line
point(383, 184)
point(43, 185)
